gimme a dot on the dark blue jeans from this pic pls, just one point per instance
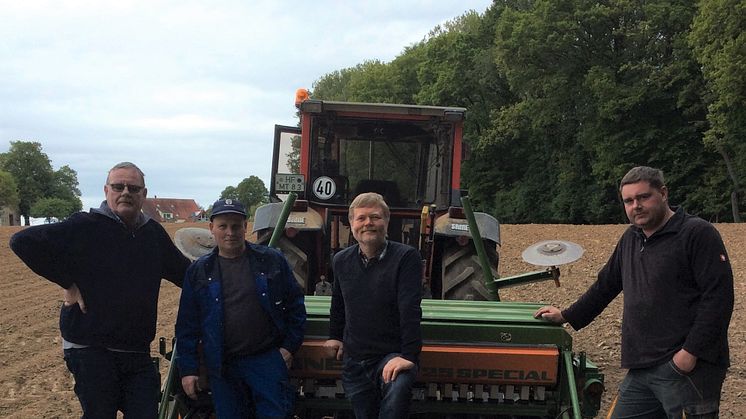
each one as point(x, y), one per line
point(664, 391)
point(264, 376)
point(107, 381)
point(372, 398)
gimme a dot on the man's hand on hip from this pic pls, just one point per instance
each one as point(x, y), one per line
point(190, 384)
point(72, 296)
point(287, 357)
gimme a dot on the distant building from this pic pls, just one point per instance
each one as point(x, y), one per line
point(9, 216)
point(169, 210)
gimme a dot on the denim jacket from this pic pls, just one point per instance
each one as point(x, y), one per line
point(200, 317)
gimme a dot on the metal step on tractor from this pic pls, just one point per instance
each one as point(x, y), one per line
point(482, 357)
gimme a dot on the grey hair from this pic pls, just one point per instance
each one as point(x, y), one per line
point(644, 174)
point(126, 165)
point(367, 200)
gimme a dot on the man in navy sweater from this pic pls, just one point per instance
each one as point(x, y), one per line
point(110, 262)
point(678, 301)
point(375, 314)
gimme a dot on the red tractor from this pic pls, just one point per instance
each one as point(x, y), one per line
point(412, 156)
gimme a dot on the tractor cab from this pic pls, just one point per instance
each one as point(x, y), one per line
point(409, 154)
point(350, 148)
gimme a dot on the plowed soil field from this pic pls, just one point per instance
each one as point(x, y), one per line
point(34, 382)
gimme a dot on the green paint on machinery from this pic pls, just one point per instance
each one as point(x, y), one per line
point(480, 359)
point(494, 329)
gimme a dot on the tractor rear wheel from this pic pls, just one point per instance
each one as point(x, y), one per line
point(298, 260)
point(463, 278)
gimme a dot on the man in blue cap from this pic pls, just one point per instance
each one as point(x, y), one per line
point(244, 305)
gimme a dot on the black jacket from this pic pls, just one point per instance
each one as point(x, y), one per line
point(678, 293)
point(117, 271)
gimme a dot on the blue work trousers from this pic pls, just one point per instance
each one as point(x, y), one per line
point(664, 391)
point(264, 377)
point(371, 398)
point(107, 381)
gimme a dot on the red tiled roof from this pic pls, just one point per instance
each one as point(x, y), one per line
point(179, 209)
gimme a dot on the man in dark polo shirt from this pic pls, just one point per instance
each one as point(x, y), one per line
point(375, 314)
point(244, 305)
point(678, 300)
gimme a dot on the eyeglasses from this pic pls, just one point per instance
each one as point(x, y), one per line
point(119, 187)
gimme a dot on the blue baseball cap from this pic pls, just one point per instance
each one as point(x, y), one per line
point(227, 206)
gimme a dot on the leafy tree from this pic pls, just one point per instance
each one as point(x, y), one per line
point(600, 88)
point(229, 193)
point(373, 83)
point(539, 48)
point(52, 208)
point(65, 187)
point(718, 39)
point(36, 179)
point(32, 170)
point(333, 86)
point(370, 81)
point(647, 97)
point(293, 157)
point(8, 191)
point(251, 192)
point(66, 182)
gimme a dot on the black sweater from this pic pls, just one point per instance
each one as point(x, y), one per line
point(117, 271)
point(376, 310)
point(678, 293)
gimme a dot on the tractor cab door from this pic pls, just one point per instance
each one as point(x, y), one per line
point(286, 174)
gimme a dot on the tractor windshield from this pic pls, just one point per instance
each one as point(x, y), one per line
point(408, 162)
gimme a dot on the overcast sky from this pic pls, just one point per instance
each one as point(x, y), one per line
point(189, 91)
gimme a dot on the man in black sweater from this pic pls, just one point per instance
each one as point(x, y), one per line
point(375, 314)
point(678, 301)
point(110, 262)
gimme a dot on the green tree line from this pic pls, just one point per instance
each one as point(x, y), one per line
point(565, 96)
point(28, 182)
